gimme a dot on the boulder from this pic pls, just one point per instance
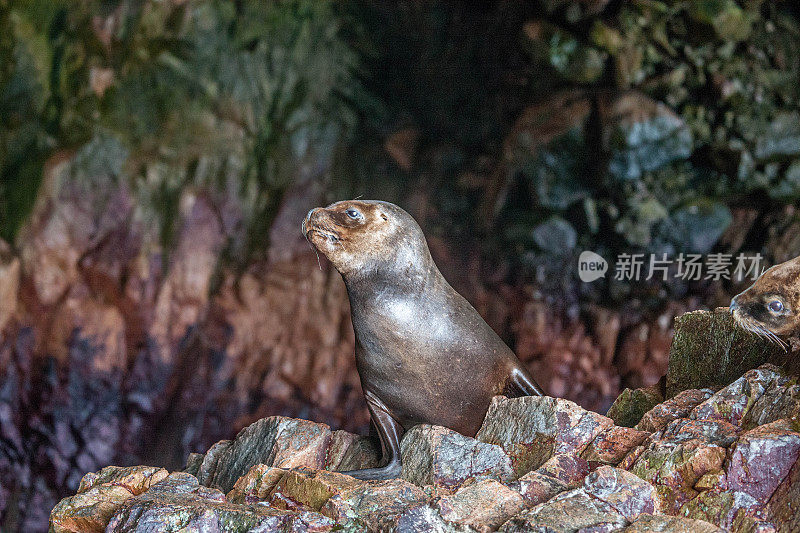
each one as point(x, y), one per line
point(534, 428)
point(441, 457)
point(677, 407)
point(184, 504)
point(482, 506)
point(763, 457)
point(274, 441)
point(627, 493)
point(611, 446)
point(710, 351)
point(566, 513)
point(631, 405)
point(648, 523)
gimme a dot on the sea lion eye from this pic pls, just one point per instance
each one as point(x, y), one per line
point(355, 214)
point(776, 306)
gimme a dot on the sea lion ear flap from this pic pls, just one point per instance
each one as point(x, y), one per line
point(383, 216)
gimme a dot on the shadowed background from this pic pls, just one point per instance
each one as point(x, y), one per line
point(156, 159)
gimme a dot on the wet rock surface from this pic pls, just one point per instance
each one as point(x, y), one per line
point(710, 461)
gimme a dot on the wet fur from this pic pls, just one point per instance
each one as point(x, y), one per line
point(750, 308)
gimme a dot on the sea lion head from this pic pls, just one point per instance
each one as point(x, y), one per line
point(360, 237)
point(770, 307)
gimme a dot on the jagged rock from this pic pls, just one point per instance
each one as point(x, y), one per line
point(438, 456)
point(184, 504)
point(709, 351)
point(648, 523)
point(89, 510)
point(762, 457)
point(256, 485)
point(426, 518)
point(99, 496)
point(677, 407)
point(136, 479)
point(378, 505)
point(568, 512)
point(274, 441)
point(631, 405)
point(537, 488)
point(674, 459)
point(782, 507)
point(533, 429)
point(733, 403)
point(568, 468)
point(722, 506)
point(351, 452)
point(627, 493)
point(611, 446)
point(482, 506)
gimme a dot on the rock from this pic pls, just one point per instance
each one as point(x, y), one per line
point(641, 134)
point(709, 351)
point(426, 518)
point(536, 129)
point(438, 456)
point(256, 485)
point(351, 452)
point(566, 54)
point(733, 403)
point(533, 429)
point(627, 493)
point(304, 488)
point(537, 488)
point(274, 441)
point(782, 507)
point(99, 496)
point(568, 468)
point(568, 512)
point(483, 506)
point(184, 504)
point(762, 458)
point(135, 479)
point(728, 20)
point(678, 407)
point(629, 407)
point(89, 510)
point(647, 523)
point(677, 457)
point(611, 446)
point(722, 507)
point(375, 504)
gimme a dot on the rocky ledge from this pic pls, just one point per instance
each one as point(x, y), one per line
point(701, 461)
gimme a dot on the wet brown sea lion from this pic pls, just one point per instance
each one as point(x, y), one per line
point(423, 353)
point(770, 307)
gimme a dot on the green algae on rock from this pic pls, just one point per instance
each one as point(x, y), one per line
point(709, 350)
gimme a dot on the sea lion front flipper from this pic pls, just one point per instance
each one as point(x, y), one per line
point(389, 431)
point(522, 383)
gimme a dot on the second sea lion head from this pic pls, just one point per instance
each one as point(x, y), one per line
point(363, 236)
point(770, 307)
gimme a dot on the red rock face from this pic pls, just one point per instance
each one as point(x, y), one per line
point(114, 350)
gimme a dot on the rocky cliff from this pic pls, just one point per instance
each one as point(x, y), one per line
point(702, 461)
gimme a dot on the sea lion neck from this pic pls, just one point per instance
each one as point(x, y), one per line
point(410, 276)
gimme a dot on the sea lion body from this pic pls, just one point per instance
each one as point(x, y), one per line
point(424, 355)
point(770, 307)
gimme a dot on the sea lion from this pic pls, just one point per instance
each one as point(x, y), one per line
point(770, 307)
point(424, 355)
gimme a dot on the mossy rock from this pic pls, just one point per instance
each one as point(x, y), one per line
point(710, 351)
point(631, 405)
